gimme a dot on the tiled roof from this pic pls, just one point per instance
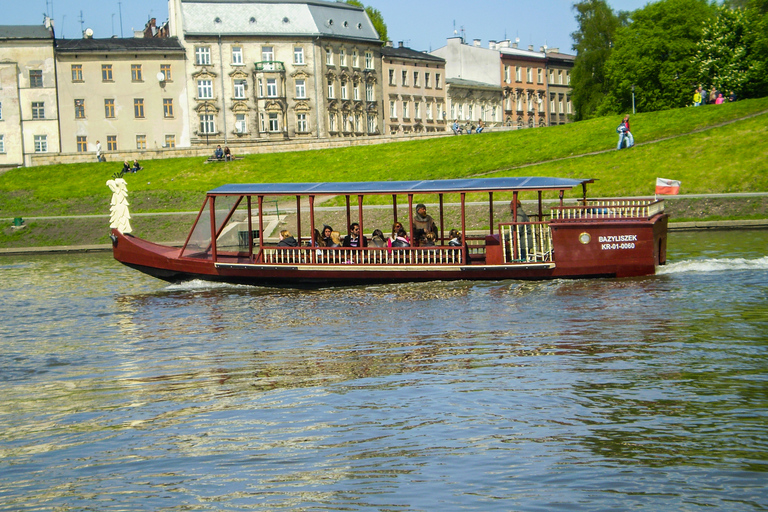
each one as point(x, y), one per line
point(120, 44)
point(460, 82)
point(407, 53)
point(24, 32)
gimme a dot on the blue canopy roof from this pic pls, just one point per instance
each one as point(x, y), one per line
point(400, 187)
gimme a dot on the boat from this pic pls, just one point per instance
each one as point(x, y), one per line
point(574, 238)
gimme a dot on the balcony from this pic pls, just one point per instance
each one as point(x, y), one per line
point(270, 66)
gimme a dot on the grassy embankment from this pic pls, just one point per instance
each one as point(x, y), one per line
point(706, 157)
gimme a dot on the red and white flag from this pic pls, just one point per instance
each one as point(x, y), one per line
point(667, 187)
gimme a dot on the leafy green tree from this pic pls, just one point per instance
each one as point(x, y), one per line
point(376, 18)
point(593, 44)
point(655, 54)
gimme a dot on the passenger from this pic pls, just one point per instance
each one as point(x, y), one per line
point(455, 238)
point(423, 223)
point(527, 229)
point(427, 240)
point(399, 238)
point(287, 240)
point(335, 239)
point(326, 238)
point(377, 239)
point(353, 239)
point(521, 216)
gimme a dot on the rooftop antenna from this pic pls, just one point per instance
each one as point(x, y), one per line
point(455, 32)
point(120, 9)
point(113, 24)
point(81, 23)
point(50, 13)
point(63, 17)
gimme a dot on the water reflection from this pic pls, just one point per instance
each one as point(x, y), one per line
point(121, 392)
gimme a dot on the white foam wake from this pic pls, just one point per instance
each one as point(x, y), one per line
point(714, 265)
point(200, 284)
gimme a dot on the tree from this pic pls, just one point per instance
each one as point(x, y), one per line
point(655, 54)
point(594, 41)
point(376, 18)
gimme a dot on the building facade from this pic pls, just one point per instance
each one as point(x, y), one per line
point(29, 112)
point(523, 78)
point(126, 93)
point(559, 67)
point(414, 91)
point(263, 70)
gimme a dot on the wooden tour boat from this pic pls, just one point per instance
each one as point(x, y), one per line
point(579, 239)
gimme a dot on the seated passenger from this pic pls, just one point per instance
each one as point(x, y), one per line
point(377, 238)
point(423, 223)
point(399, 238)
point(287, 240)
point(353, 239)
point(335, 239)
point(317, 239)
point(427, 240)
point(326, 237)
point(455, 238)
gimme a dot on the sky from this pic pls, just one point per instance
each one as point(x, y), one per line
point(421, 24)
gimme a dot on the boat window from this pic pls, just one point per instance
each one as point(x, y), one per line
point(199, 245)
point(233, 235)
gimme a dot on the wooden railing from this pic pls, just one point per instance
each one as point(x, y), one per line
point(609, 209)
point(435, 255)
point(526, 242)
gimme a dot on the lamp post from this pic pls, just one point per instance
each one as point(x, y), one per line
point(633, 99)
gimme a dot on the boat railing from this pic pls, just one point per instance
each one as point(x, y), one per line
point(529, 242)
point(432, 255)
point(609, 209)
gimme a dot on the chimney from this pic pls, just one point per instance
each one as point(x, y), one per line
point(492, 44)
point(504, 44)
point(401, 44)
point(388, 44)
point(530, 47)
point(476, 42)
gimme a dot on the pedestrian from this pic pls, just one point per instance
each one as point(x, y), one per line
point(697, 97)
point(98, 151)
point(720, 99)
point(732, 96)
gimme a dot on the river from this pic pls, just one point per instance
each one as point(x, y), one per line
point(121, 392)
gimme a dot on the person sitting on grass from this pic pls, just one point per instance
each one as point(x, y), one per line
point(219, 153)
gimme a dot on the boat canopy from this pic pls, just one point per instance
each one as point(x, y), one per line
point(400, 187)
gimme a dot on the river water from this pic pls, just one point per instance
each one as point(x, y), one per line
point(120, 392)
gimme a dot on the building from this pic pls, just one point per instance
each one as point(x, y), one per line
point(525, 88)
point(127, 93)
point(559, 66)
point(29, 112)
point(285, 69)
point(414, 87)
point(472, 76)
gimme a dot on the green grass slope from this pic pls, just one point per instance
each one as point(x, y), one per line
point(703, 147)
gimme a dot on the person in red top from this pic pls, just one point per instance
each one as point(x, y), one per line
point(626, 134)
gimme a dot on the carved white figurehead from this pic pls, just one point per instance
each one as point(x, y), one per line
point(120, 217)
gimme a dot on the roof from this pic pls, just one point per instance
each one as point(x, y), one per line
point(461, 82)
point(24, 32)
point(120, 44)
point(276, 18)
point(519, 52)
point(407, 53)
point(401, 187)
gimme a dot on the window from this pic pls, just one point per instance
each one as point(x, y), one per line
point(202, 55)
point(357, 122)
point(405, 78)
point(274, 125)
point(35, 78)
point(240, 123)
point(207, 124)
point(165, 69)
point(429, 111)
point(368, 60)
point(416, 113)
point(368, 92)
point(301, 88)
point(344, 90)
point(41, 143)
point(170, 141)
point(328, 57)
point(272, 87)
point(79, 109)
point(109, 108)
point(551, 76)
point(342, 57)
point(416, 79)
point(469, 112)
point(568, 104)
point(106, 72)
point(112, 142)
point(138, 108)
point(356, 91)
point(240, 89)
point(560, 77)
point(355, 59)
point(561, 105)
point(519, 103)
point(568, 77)
point(77, 72)
point(530, 103)
point(298, 55)
point(237, 55)
point(330, 88)
point(552, 104)
point(167, 107)
point(301, 123)
point(437, 81)
point(371, 124)
point(2, 143)
point(440, 110)
point(82, 143)
point(393, 109)
point(204, 89)
point(529, 75)
point(392, 77)
point(507, 74)
point(518, 74)
point(426, 81)
point(540, 75)
point(260, 85)
point(405, 110)
point(136, 75)
point(332, 122)
point(268, 55)
point(141, 142)
point(38, 110)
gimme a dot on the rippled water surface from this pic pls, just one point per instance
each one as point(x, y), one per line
point(120, 392)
